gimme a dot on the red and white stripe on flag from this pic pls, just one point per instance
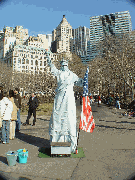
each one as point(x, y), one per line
point(86, 120)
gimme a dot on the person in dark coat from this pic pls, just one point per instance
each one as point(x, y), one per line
point(1, 90)
point(33, 104)
point(18, 103)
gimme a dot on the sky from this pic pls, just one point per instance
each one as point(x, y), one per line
point(43, 16)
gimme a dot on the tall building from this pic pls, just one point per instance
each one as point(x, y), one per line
point(13, 36)
point(49, 37)
point(23, 58)
point(111, 24)
point(29, 59)
point(40, 41)
point(61, 37)
point(132, 37)
point(24, 53)
point(81, 36)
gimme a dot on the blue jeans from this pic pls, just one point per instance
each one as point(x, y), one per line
point(117, 104)
point(5, 131)
point(18, 122)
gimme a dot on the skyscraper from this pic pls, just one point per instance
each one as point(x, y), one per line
point(22, 52)
point(111, 24)
point(80, 40)
point(61, 36)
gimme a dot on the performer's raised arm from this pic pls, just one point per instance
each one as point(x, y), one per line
point(49, 62)
point(54, 70)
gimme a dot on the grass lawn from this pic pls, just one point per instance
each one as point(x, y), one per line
point(43, 109)
point(46, 153)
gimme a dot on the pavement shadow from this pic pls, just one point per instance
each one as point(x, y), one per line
point(126, 122)
point(36, 141)
point(110, 121)
point(131, 177)
point(42, 119)
point(3, 159)
point(24, 178)
point(108, 126)
point(30, 129)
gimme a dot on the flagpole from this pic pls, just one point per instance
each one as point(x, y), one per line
point(86, 123)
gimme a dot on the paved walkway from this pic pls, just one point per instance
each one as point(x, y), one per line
point(109, 150)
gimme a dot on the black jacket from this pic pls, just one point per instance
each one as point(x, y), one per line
point(117, 98)
point(18, 98)
point(33, 104)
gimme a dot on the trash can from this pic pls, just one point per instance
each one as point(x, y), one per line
point(22, 156)
point(11, 157)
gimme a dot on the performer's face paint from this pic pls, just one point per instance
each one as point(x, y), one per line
point(64, 68)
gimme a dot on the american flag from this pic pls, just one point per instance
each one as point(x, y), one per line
point(86, 120)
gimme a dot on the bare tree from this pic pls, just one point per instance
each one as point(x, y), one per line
point(113, 69)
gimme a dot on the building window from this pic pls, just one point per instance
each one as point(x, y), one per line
point(31, 62)
point(31, 56)
point(31, 67)
point(27, 61)
point(19, 60)
point(23, 67)
point(23, 61)
point(36, 63)
point(40, 63)
point(44, 63)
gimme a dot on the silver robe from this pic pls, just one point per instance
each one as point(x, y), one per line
point(62, 126)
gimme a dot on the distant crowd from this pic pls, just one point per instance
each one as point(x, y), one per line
point(109, 100)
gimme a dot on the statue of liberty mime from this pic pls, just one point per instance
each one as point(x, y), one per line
point(62, 126)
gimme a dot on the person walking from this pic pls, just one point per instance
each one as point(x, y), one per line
point(110, 100)
point(99, 100)
point(14, 114)
point(117, 101)
point(18, 98)
point(6, 111)
point(90, 99)
point(33, 104)
point(1, 88)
